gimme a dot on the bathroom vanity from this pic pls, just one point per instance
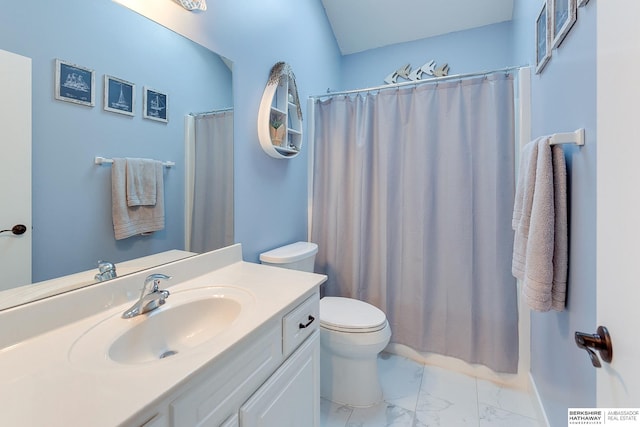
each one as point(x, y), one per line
point(235, 344)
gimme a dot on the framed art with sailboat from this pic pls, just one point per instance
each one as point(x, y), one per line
point(74, 83)
point(156, 105)
point(119, 96)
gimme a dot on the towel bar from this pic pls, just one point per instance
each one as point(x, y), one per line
point(103, 160)
point(576, 137)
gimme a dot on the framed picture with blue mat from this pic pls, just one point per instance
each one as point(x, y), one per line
point(74, 83)
point(119, 96)
point(156, 105)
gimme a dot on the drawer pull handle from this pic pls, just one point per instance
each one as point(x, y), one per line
point(303, 326)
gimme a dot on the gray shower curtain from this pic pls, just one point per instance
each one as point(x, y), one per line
point(412, 201)
point(210, 192)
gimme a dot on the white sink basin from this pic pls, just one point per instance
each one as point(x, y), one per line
point(188, 319)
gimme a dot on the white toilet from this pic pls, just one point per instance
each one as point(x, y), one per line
point(352, 333)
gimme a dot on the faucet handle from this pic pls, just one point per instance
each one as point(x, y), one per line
point(106, 271)
point(105, 266)
point(155, 280)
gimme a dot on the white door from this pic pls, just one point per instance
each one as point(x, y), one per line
point(15, 169)
point(618, 192)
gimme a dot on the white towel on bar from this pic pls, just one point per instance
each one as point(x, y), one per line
point(540, 250)
point(141, 181)
point(132, 220)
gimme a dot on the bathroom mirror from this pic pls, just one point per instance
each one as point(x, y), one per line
point(72, 227)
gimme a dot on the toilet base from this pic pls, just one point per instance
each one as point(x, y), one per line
point(349, 366)
point(352, 382)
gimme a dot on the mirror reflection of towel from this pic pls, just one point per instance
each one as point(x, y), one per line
point(193, 4)
point(133, 220)
point(141, 182)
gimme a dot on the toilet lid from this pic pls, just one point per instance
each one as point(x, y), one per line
point(350, 315)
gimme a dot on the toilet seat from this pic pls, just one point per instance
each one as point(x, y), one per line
point(350, 315)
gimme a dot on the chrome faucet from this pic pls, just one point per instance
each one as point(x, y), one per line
point(151, 296)
point(107, 271)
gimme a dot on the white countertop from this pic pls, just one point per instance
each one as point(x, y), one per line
point(40, 386)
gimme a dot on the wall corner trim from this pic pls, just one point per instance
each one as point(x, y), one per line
point(542, 415)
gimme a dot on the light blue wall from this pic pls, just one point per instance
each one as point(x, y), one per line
point(524, 16)
point(72, 225)
point(564, 99)
point(479, 49)
point(270, 194)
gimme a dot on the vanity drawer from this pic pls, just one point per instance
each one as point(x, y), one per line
point(299, 323)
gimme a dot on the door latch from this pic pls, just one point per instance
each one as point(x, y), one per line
point(16, 229)
point(600, 342)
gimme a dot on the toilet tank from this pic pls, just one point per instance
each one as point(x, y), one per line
point(296, 256)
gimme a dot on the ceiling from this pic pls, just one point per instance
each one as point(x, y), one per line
point(360, 25)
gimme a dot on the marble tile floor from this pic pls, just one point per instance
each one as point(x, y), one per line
point(425, 396)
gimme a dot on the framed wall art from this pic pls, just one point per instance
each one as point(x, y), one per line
point(563, 17)
point(74, 83)
point(156, 105)
point(543, 37)
point(119, 96)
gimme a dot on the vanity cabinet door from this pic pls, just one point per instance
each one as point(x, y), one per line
point(159, 420)
point(232, 421)
point(291, 396)
point(216, 397)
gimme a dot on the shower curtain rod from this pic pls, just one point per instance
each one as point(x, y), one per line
point(207, 113)
point(417, 82)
